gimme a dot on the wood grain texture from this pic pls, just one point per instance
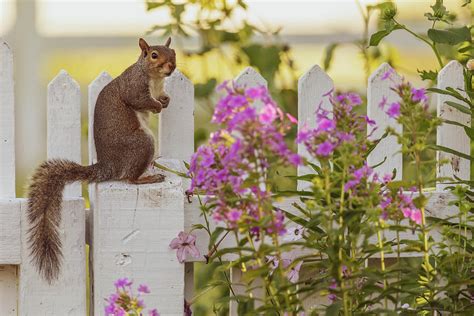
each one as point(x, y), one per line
point(67, 296)
point(176, 123)
point(378, 90)
point(449, 135)
point(133, 226)
point(312, 88)
point(8, 290)
point(7, 123)
point(10, 246)
point(64, 124)
point(94, 88)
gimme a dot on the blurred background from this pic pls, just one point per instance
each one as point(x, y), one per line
point(214, 39)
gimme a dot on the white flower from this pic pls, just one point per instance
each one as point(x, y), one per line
point(294, 233)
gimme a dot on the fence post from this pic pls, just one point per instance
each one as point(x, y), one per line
point(312, 86)
point(10, 246)
point(37, 297)
point(449, 135)
point(378, 90)
point(7, 123)
point(134, 224)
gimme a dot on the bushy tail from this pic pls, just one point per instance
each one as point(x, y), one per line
point(44, 210)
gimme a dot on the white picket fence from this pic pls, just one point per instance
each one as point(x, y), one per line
point(129, 227)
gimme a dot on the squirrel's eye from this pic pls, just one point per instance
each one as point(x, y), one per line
point(154, 55)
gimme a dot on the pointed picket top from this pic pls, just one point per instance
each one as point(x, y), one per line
point(249, 77)
point(7, 123)
point(313, 89)
point(176, 124)
point(94, 88)
point(379, 91)
point(449, 135)
point(64, 123)
point(63, 80)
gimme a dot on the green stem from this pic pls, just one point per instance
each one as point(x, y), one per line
point(430, 44)
point(382, 259)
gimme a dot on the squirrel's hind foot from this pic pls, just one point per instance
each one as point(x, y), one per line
point(154, 178)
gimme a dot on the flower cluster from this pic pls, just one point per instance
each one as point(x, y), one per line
point(401, 203)
point(335, 128)
point(233, 166)
point(123, 303)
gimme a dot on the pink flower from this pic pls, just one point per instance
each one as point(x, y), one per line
point(394, 110)
point(291, 118)
point(268, 114)
point(185, 243)
point(294, 274)
point(143, 288)
point(416, 216)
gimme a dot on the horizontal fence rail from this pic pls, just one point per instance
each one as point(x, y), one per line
point(129, 227)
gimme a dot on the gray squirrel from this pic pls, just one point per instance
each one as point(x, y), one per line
point(124, 145)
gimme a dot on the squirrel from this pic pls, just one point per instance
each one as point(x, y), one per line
point(124, 145)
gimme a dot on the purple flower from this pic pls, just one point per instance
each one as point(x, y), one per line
point(383, 103)
point(185, 243)
point(325, 149)
point(153, 312)
point(256, 92)
point(394, 110)
point(123, 282)
point(388, 74)
point(326, 125)
point(418, 95)
point(143, 288)
point(234, 215)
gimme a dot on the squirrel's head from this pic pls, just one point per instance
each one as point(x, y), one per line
point(159, 60)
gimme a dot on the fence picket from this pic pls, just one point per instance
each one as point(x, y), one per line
point(448, 135)
point(7, 123)
point(378, 90)
point(95, 87)
point(176, 125)
point(64, 123)
point(312, 87)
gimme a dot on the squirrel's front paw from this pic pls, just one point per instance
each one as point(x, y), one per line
point(164, 100)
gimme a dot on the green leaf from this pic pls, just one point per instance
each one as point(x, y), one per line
point(334, 309)
point(452, 151)
point(459, 107)
point(378, 36)
point(428, 75)
point(328, 55)
point(451, 36)
point(466, 2)
point(469, 130)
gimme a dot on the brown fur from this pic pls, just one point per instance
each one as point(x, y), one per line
point(124, 148)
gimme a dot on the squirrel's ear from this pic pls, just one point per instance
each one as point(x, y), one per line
point(143, 44)
point(168, 42)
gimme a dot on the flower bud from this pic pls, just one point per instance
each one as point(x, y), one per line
point(470, 64)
